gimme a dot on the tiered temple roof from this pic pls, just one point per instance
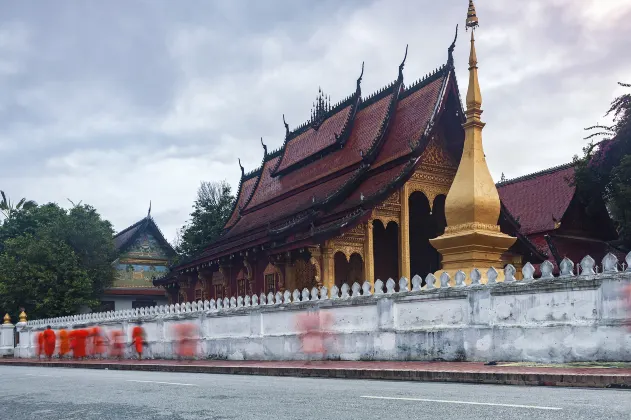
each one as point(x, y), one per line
point(333, 169)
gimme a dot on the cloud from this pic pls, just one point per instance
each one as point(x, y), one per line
point(124, 102)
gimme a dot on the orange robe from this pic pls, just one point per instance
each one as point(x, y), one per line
point(40, 344)
point(64, 343)
point(49, 342)
point(137, 335)
point(80, 337)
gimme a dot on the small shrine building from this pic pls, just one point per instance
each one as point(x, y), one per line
point(143, 254)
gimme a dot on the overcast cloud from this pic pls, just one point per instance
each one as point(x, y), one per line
point(116, 103)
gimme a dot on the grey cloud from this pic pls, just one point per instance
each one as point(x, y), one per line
point(120, 102)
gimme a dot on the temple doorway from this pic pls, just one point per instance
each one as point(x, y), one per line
point(348, 270)
point(386, 250)
point(424, 225)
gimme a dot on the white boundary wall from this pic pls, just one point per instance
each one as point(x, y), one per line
point(552, 319)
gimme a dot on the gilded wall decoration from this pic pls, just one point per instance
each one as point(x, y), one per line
point(146, 246)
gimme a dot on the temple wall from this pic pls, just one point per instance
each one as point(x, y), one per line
point(553, 319)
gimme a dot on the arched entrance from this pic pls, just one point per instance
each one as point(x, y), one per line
point(385, 250)
point(348, 271)
point(424, 225)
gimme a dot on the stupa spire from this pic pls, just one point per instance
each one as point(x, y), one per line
point(472, 238)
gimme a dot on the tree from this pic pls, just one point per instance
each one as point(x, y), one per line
point(7, 208)
point(43, 275)
point(81, 249)
point(211, 210)
point(605, 168)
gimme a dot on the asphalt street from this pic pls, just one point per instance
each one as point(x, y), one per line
point(58, 393)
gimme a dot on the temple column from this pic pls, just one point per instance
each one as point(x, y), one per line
point(369, 264)
point(328, 267)
point(404, 233)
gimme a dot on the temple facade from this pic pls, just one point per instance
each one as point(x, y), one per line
point(359, 192)
point(143, 255)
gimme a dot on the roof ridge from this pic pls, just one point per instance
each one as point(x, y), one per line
point(128, 228)
point(380, 93)
point(535, 174)
point(425, 80)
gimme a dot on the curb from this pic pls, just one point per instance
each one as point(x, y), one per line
point(494, 378)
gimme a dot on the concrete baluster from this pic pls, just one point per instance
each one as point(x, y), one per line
point(444, 280)
point(460, 278)
point(314, 293)
point(566, 267)
point(335, 292)
point(378, 287)
point(356, 290)
point(403, 285)
point(366, 288)
point(509, 273)
point(610, 263)
point(390, 286)
point(345, 290)
point(546, 268)
point(324, 293)
point(417, 282)
point(528, 272)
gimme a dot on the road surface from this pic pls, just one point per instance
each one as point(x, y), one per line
point(58, 393)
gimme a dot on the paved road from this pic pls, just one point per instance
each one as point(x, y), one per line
point(58, 393)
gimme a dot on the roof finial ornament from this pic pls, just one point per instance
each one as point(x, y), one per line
point(359, 79)
point(241, 166)
point(472, 18)
point(286, 126)
point(403, 62)
point(149, 212)
point(264, 147)
point(450, 50)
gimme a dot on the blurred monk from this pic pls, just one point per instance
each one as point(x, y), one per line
point(50, 341)
point(186, 335)
point(78, 349)
point(64, 343)
point(98, 342)
point(138, 338)
point(117, 344)
point(40, 344)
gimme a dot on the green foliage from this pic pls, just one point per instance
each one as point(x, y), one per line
point(53, 260)
point(211, 210)
point(7, 207)
point(605, 168)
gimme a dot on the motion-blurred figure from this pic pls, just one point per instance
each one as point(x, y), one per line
point(50, 341)
point(313, 327)
point(138, 338)
point(98, 343)
point(78, 339)
point(64, 343)
point(117, 344)
point(40, 344)
point(186, 336)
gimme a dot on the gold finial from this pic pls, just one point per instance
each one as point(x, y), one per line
point(472, 18)
point(7, 319)
point(22, 316)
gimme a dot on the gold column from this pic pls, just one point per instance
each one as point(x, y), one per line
point(328, 267)
point(404, 233)
point(369, 264)
point(472, 238)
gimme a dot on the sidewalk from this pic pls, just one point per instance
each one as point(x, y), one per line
point(464, 372)
point(577, 375)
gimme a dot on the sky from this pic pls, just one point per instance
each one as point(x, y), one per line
point(119, 103)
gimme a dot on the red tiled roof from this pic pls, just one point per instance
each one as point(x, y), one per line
point(537, 200)
point(314, 140)
point(244, 194)
point(412, 115)
point(287, 206)
point(370, 186)
point(267, 186)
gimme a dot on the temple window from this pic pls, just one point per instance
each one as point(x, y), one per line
point(241, 283)
point(271, 275)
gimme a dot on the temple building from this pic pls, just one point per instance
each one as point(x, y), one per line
point(143, 254)
point(360, 192)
